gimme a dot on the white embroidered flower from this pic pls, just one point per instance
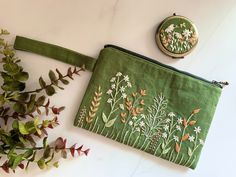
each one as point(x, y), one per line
point(168, 120)
point(118, 74)
point(129, 84)
point(113, 86)
point(166, 127)
point(141, 124)
point(178, 128)
point(122, 89)
point(130, 123)
point(109, 100)
point(164, 135)
point(142, 115)
point(191, 138)
point(197, 129)
point(179, 120)
point(178, 35)
point(176, 138)
point(182, 25)
point(121, 106)
point(109, 92)
point(187, 33)
point(137, 129)
point(126, 78)
point(201, 141)
point(171, 114)
point(113, 79)
point(124, 95)
point(170, 28)
point(134, 118)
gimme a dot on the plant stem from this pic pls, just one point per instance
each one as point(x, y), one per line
point(53, 83)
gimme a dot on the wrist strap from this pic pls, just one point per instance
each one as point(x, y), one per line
point(55, 52)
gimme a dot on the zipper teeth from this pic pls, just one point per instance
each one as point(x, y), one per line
point(161, 64)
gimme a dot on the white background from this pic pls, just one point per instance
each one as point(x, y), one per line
point(85, 26)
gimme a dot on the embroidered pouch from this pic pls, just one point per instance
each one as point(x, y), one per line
point(140, 102)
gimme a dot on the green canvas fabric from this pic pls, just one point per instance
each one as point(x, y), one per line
point(146, 105)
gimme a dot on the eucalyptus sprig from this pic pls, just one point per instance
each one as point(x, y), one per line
point(22, 115)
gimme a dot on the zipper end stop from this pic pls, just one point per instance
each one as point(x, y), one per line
point(220, 84)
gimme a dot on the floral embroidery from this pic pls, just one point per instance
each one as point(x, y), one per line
point(134, 104)
point(151, 128)
point(117, 93)
point(94, 105)
point(178, 39)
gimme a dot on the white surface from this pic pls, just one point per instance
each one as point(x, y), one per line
point(85, 26)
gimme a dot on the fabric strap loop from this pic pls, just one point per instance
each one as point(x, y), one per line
point(55, 52)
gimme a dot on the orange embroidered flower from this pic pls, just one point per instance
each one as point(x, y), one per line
point(142, 92)
point(192, 122)
point(142, 102)
point(185, 137)
point(134, 94)
point(195, 111)
point(185, 123)
point(177, 148)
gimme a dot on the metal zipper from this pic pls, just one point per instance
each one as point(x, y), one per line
point(219, 84)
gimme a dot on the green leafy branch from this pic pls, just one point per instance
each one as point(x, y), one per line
point(21, 113)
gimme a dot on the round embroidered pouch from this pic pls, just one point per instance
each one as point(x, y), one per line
point(177, 36)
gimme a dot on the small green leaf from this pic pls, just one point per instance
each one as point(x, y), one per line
point(28, 153)
point(45, 143)
point(50, 91)
point(30, 127)
point(2, 100)
point(110, 122)
point(15, 125)
point(165, 151)
point(11, 68)
point(23, 97)
point(22, 76)
point(18, 159)
point(41, 163)
point(13, 86)
point(46, 152)
point(190, 152)
point(6, 77)
point(19, 108)
point(64, 81)
point(41, 100)
point(56, 164)
point(42, 83)
point(52, 77)
point(22, 129)
point(104, 117)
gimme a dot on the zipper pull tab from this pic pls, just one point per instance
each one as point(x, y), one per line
point(220, 84)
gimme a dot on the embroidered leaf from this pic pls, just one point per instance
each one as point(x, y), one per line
point(166, 150)
point(163, 146)
point(195, 111)
point(104, 118)
point(177, 148)
point(110, 122)
point(185, 123)
point(192, 122)
point(185, 137)
point(190, 152)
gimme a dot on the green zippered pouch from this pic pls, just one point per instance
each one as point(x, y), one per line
point(140, 102)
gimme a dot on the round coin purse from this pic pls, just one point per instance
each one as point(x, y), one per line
point(176, 36)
